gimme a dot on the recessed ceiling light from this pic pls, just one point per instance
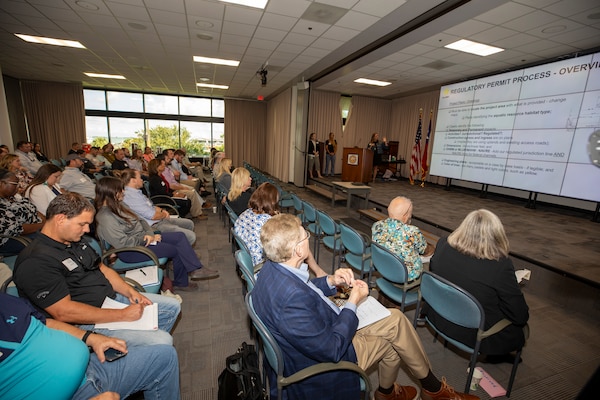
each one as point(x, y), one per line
point(210, 85)
point(468, 46)
point(204, 36)
point(107, 76)
point(250, 3)
point(218, 61)
point(372, 82)
point(51, 41)
point(204, 24)
point(87, 6)
point(204, 79)
point(594, 16)
point(137, 26)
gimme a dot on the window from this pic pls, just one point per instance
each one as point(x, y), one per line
point(124, 118)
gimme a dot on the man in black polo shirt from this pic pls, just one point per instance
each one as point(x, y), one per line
point(120, 162)
point(63, 276)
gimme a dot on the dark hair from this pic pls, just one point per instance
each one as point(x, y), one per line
point(70, 204)
point(41, 176)
point(153, 166)
point(179, 153)
point(265, 199)
point(107, 189)
point(4, 173)
point(20, 143)
point(127, 175)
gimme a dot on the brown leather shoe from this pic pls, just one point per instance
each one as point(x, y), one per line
point(204, 273)
point(207, 205)
point(446, 393)
point(399, 393)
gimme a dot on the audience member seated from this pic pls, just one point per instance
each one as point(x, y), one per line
point(475, 257)
point(18, 216)
point(88, 167)
point(27, 157)
point(107, 153)
point(310, 328)
point(154, 216)
point(405, 240)
point(138, 162)
point(223, 174)
point(63, 276)
point(4, 150)
point(216, 161)
point(44, 187)
point(160, 187)
point(241, 190)
point(75, 147)
point(44, 358)
point(178, 170)
point(76, 181)
point(96, 158)
point(120, 163)
point(194, 168)
point(148, 154)
point(12, 162)
point(189, 191)
point(121, 227)
point(263, 204)
point(37, 150)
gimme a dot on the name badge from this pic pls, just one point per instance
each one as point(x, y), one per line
point(82, 179)
point(70, 264)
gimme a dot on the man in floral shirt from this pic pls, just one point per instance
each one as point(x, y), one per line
point(405, 240)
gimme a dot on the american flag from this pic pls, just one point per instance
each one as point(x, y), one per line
point(415, 158)
point(424, 164)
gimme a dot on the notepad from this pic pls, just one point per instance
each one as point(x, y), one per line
point(145, 276)
point(522, 274)
point(148, 321)
point(370, 311)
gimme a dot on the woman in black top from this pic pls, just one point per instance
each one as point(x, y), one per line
point(159, 186)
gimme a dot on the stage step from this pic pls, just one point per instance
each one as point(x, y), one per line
point(324, 192)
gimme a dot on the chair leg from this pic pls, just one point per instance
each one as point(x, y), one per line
point(513, 373)
point(471, 370)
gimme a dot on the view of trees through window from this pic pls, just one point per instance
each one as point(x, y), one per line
point(158, 121)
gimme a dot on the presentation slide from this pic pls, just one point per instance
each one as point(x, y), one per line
point(536, 129)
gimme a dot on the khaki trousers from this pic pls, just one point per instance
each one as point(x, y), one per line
point(387, 342)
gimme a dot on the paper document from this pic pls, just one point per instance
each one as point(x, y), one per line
point(370, 311)
point(522, 274)
point(144, 276)
point(148, 321)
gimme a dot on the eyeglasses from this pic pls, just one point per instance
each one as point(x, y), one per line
point(306, 238)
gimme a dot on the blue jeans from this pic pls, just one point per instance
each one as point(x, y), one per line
point(151, 369)
point(329, 160)
point(175, 246)
point(168, 310)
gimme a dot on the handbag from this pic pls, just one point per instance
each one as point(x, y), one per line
point(241, 380)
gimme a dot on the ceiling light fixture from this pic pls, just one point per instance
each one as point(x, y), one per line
point(468, 46)
point(51, 41)
point(87, 5)
point(107, 76)
point(210, 85)
point(372, 82)
point(217, 61)
point(250, 3)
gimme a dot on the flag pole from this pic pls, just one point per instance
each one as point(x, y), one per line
point(415, 158)
point(424, 164)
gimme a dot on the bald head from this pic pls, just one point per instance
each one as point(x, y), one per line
point(400, 208)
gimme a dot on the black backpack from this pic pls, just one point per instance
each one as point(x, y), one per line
point(240, 380)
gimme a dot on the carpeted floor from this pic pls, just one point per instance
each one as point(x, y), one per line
point(563, 350)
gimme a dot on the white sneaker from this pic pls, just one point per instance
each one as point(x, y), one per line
point(168, 293)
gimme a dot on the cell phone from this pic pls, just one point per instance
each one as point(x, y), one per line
point(113, 354)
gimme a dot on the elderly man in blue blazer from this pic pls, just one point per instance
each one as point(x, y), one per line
point(311, 329)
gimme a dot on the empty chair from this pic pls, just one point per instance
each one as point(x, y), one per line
point(357, 250)
point(461, 308)
point(330, 236)
point(393, 282)
point(309, 221)
point(274, 357)
point(297, 204)
point(244, 263)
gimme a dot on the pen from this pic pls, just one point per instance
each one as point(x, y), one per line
point(143, 272)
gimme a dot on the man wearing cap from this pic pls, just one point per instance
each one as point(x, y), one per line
point(76, 181)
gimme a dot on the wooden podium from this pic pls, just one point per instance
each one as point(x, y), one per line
point(357, 165)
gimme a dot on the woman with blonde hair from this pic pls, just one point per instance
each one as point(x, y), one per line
point(12, 163)
point(223, 173)
point(240, 192)
point(475, 257)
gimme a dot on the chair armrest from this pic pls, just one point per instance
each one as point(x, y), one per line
point(139, 249)
point(326, 367)
point(5, 284)
point(25, 241)
point(163, 199)
point(136, 285)
point(169, 207)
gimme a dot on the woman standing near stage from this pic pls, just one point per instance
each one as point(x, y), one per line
point(475, 257)
point(378, 147)
point(330, 149)
point(313, 155)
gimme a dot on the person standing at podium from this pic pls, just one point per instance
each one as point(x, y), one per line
point(313, 155)
point(378, 147)
point(330, 149)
